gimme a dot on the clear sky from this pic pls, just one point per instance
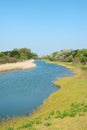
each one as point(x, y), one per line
point(44, 26)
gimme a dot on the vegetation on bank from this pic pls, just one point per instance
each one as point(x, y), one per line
point(65, 109)
point(75, 56)
point(17, 55)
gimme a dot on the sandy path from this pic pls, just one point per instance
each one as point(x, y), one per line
point(19, 65)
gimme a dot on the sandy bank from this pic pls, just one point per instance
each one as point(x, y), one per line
point(19, 65)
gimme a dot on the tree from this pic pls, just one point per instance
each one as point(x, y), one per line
point(15, 53)
point(83, 59)
point(23, 56)
point(70, 58)
point(1, 55)
point(84, 52)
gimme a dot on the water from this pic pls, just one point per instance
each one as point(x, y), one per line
point(22, 91)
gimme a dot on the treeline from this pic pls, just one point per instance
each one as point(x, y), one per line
point(75, 56)
point(17, 55)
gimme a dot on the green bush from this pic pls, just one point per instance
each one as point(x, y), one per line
point(37, 121)
point(60, 115)
point(1, 55)
point(17, 55)
point(72, 113)
point(27, 125)
point(48, 124)
point(75, 108)
point(65, 113)
point(70, 58)
point(84, 108)
point(50, 115)
point(10, 128)
point(75, 105)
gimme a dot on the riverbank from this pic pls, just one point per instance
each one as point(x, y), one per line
point(65, 109)
point(19, 65)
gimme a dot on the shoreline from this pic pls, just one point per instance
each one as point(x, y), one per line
point(61, 83)
point(71, 92)
point(67, 65)
point(29, 64)
point(57, 83)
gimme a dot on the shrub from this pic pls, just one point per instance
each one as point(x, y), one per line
point(27, 125)
point(10, 128)
point(48, 124)
point(1, 55)
point(60, 115)
point(75, 108)
point(75, 105)
point(51, 113)
point(65, 113)
point(84, 108)
point(48, 117)
point(72, 113)
point(70, 58)
point(37, 121)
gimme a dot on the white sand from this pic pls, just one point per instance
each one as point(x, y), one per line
point(19, 65)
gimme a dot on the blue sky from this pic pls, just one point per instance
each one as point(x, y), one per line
point(44, 26)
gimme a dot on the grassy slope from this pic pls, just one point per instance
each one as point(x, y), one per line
point(63, 110)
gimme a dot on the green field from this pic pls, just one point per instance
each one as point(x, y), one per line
point(65, 109)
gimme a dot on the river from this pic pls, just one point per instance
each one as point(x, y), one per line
point(23, 91)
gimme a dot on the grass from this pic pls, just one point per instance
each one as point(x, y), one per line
point(65, 109)
point(48, 124)
point(10, 128)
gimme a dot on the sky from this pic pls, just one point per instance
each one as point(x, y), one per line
point(44, 26)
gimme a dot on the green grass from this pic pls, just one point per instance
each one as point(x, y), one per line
point(37, 121)
point(10, 128)
point(65, 109)
point(27, 125)
point(48, 124)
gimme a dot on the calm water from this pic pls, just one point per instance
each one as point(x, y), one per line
point(22, 91)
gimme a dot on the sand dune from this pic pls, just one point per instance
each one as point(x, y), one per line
point(19, 65)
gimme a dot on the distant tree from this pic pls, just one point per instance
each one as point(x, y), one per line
point(84, 52)
point(74, 52)
point(26, 53)
point(1, 55)
point(55, 56)
point(34, 56)
point(47, 57)
point(15, 53)
point(70, 58)
point(76, 56)
point(6, 53)
point(83, 59)
point(24, 50)
point(23, 56)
